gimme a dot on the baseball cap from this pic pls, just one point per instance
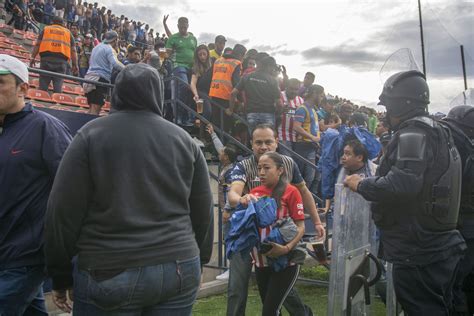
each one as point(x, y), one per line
point(89, 35)
point(110, 36)
point(12, 65)
point(220, 38)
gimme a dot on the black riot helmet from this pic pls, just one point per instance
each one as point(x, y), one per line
point(462, 116)
point(405, 94)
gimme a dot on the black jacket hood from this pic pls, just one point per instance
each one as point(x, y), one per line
point(138, 87)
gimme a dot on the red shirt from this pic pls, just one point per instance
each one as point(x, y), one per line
point(291, 205)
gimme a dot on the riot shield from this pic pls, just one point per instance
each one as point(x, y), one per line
point(464, 98)
point(354, 267)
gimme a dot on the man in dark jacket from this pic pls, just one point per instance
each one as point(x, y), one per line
point(31, 146)
point(460, 121)
point(416, 195)
point(132, 201)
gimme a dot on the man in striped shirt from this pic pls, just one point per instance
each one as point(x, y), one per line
point(291, 101)
point(244, 177)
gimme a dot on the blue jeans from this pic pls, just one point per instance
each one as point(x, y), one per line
point(240, 269)
point(182, 116)
point(308, 151)
point(255, 119)
point(164, 289)
point(21, 291)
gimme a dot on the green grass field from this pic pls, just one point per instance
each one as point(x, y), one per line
point(315, 297)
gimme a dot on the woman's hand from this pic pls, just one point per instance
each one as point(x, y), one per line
point(226, 215)
point(247, 198)
point(277, 250)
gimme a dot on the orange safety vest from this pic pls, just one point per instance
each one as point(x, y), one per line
point(221, 84)
point(56, 39)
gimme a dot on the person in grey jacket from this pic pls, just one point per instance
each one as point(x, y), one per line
point(132, 201)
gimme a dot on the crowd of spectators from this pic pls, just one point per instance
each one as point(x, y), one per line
point(241, 92)
point(224, 81)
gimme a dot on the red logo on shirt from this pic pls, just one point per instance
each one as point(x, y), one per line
point(14, 152)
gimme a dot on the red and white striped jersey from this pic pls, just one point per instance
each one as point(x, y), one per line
point(285, 129)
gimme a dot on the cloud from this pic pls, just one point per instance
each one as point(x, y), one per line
point(343, 55)
point(444, 31)
point(205, 37)
point(149, 12)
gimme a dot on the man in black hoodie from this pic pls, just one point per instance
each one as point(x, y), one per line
point(132, 201)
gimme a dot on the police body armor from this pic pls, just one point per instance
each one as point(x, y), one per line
point(437, 205)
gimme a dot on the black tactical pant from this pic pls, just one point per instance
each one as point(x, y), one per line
point(426, 290)
point(466, 267)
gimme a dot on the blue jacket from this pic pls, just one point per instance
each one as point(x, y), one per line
point(332, 146)
point(243, 233)
point(32, 144)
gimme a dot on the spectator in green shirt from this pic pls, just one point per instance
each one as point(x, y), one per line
point(372, 121)
point(181, 46)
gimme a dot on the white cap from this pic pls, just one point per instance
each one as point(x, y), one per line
point(12, 65)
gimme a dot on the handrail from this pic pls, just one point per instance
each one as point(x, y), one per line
point(69, 77)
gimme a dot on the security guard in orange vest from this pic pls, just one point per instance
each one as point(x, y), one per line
point(56, 47)
point(225, 75)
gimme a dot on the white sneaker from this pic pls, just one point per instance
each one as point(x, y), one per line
point(223, 276)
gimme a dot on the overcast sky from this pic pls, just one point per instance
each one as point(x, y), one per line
point(344, 42)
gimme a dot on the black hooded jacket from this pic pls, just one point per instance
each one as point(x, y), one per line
point(132, 189)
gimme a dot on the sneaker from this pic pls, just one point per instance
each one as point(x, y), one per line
point(223, 276)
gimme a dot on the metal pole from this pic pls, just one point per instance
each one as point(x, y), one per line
point(463, 67)
point(422, 39)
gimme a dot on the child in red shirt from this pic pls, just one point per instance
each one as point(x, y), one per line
point(274, 286)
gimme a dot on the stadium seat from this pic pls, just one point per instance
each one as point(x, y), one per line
point(67, 89)
point(4, 45)
point(79, 90)
point(63, 99)
point(39, 95)
point(34, 83)
point(70, 81)
point(82, 102)
point(37, 105)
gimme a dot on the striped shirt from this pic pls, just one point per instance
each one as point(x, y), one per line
point(246, 171)
point(285, 129)
point(291, 206)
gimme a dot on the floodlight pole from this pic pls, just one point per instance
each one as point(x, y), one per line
point(422, 39)
point(463, 67)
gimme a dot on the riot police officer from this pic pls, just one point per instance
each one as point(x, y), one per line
point(416, 199)
point(460, 121)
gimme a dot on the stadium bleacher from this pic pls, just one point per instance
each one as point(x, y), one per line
point(20, 44)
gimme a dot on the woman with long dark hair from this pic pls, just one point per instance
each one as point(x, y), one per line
point(201, 78)
point(274, 286)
